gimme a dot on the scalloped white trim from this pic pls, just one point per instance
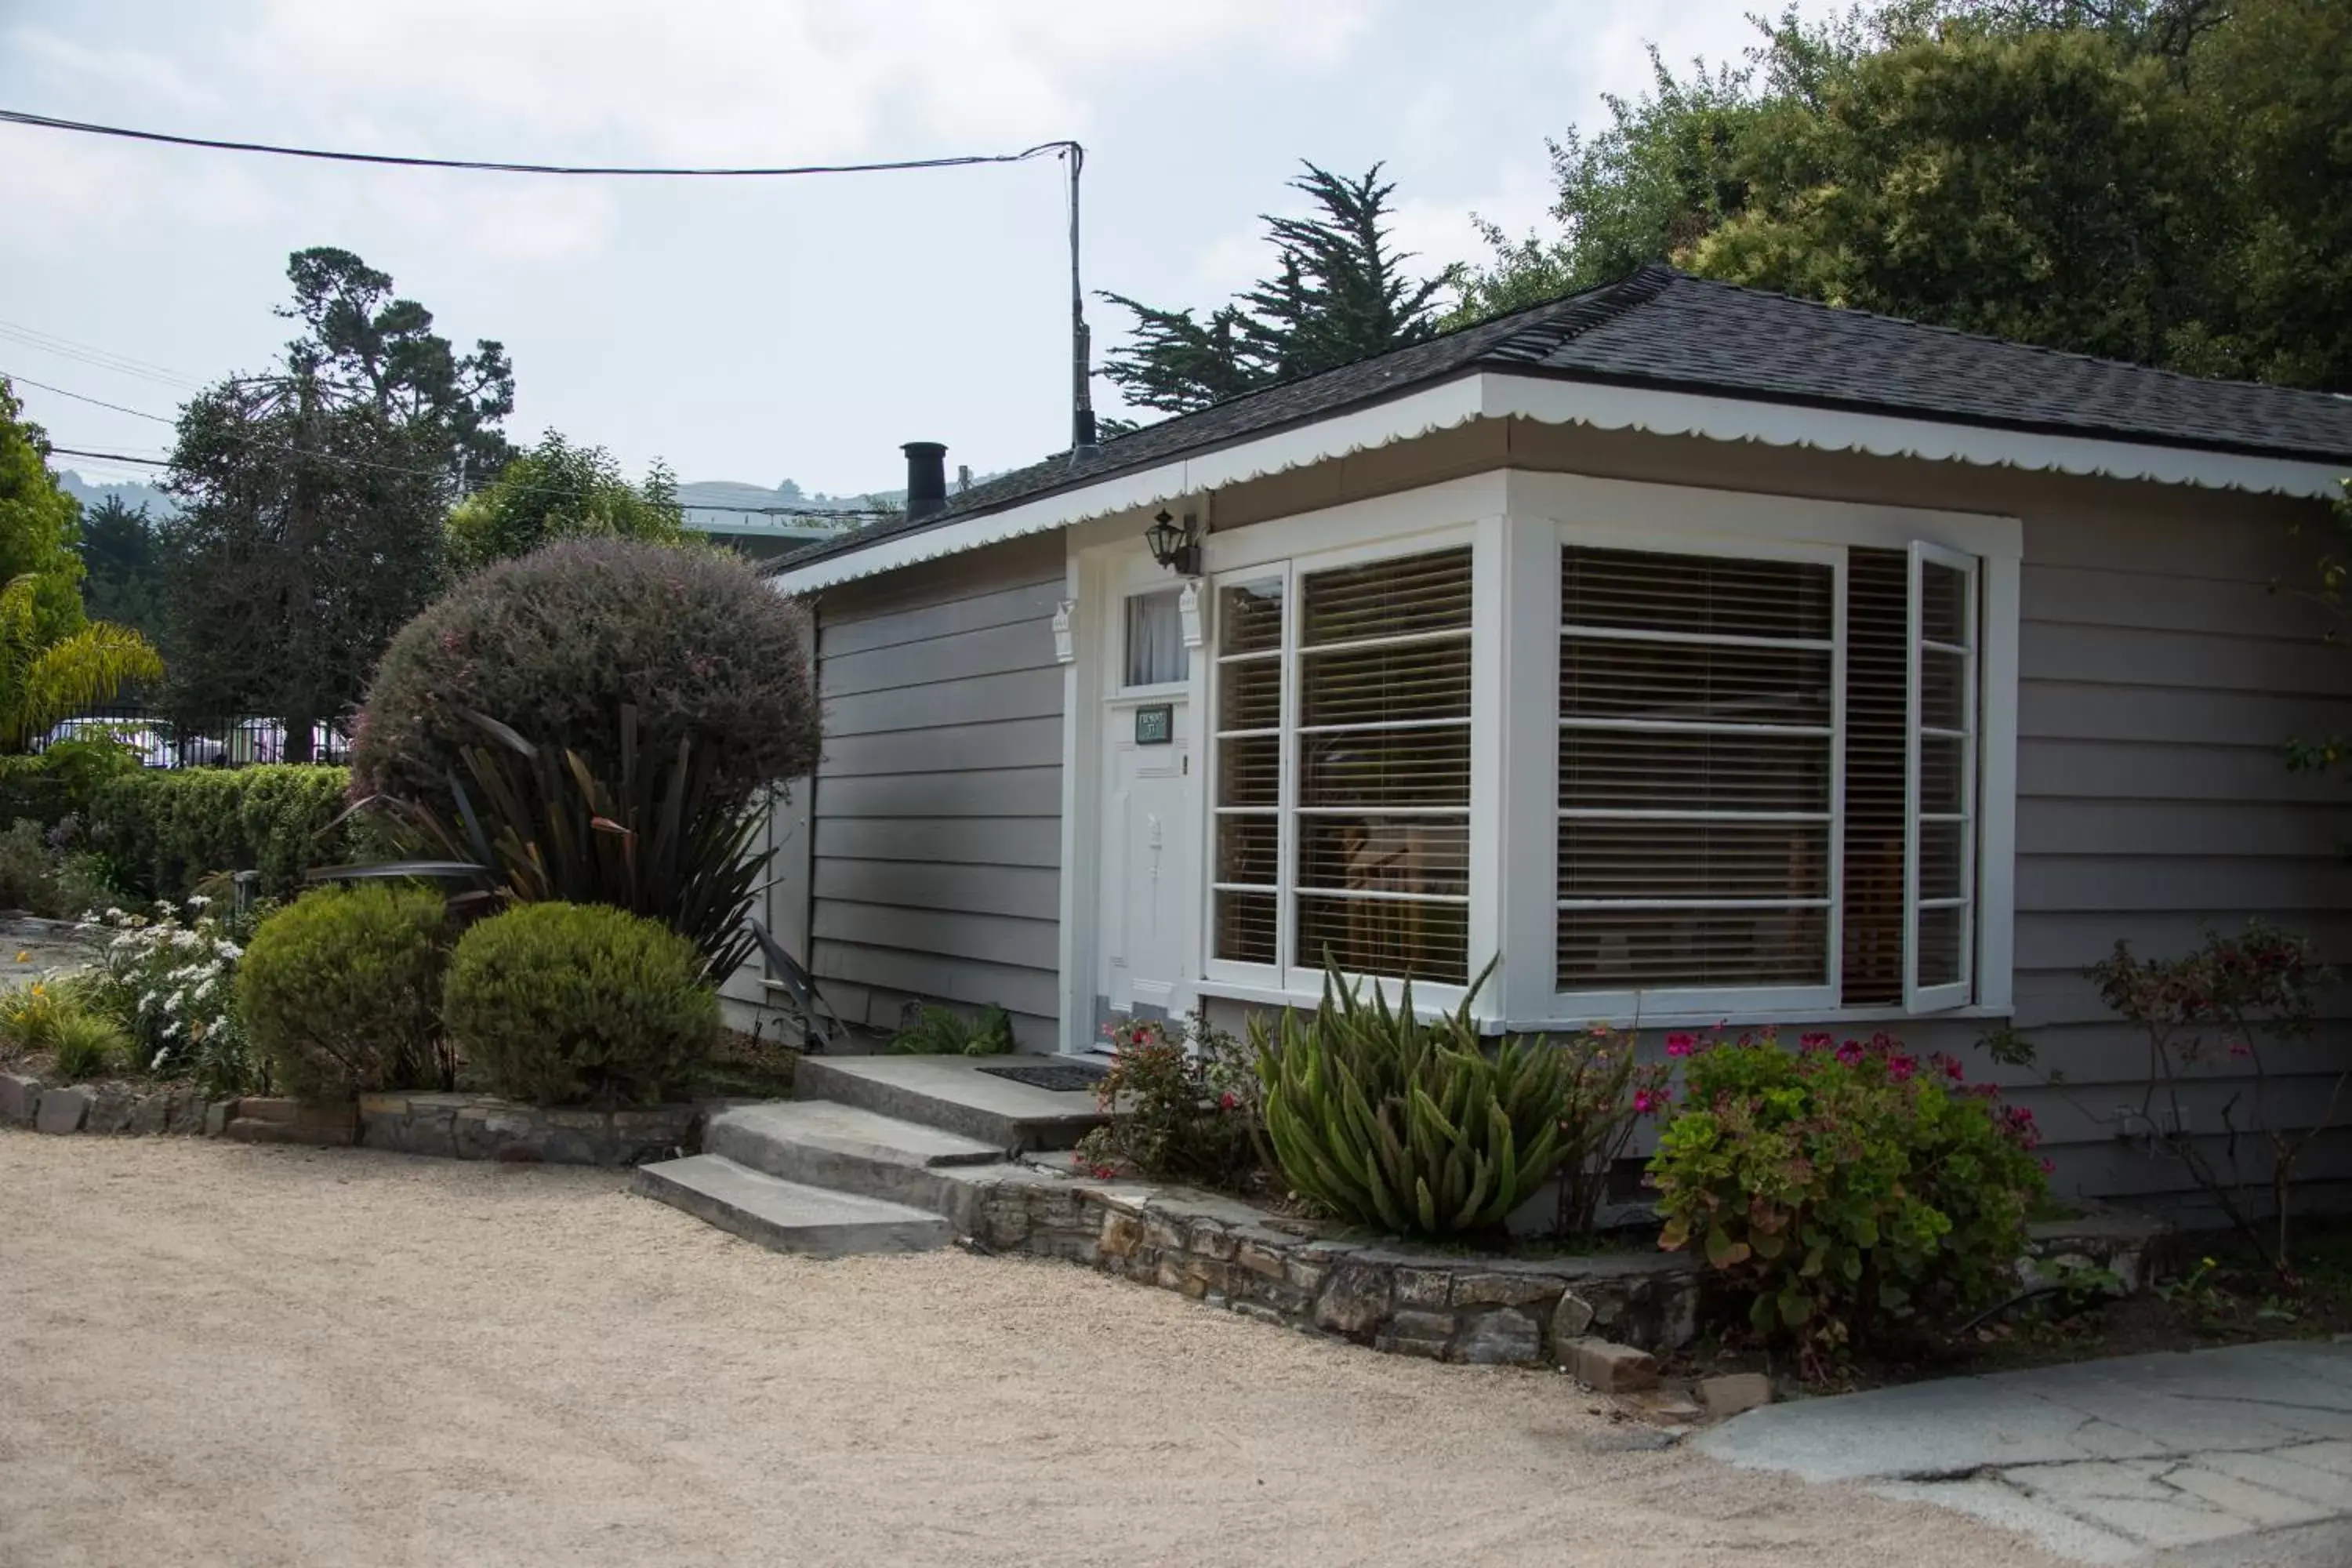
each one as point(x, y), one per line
point(1497, 396)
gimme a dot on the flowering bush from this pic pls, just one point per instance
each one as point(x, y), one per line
point(1853, 1190)
point(2223, 1000)
point(1188, 1102)
point(168, 977)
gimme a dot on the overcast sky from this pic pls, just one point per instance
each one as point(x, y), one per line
point(744, 330)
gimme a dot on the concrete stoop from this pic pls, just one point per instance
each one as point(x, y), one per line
point(790, 1217)
point(879, 1154)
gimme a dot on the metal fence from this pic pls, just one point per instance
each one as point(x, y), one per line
point(161, 742)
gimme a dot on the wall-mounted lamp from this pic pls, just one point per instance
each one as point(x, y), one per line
point(1174, 547)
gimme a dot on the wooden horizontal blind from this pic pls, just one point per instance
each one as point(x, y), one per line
point(1381, 821)
point(1697, 728)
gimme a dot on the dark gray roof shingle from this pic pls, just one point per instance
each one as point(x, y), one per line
point(1664, 329)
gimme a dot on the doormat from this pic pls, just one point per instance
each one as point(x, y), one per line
point(1058, 1077)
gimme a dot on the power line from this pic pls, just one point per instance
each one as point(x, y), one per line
point(49, 123)
point(121, 365)
point(11, 376)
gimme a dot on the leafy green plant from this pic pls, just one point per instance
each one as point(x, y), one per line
point(1411, 1127)
point(30, 1013)
point(165, 833)
point(88, 1045)
point(340, 991)
point(1184, 1106)
point(564, 1004)
point(943, 1032)
point(57, 783)
point(46, 675)
point(41, 879)
point(1852, 1195)
point(666, 837)
point(1609, 1092)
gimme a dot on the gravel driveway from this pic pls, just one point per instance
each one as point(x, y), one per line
point(224, 1354)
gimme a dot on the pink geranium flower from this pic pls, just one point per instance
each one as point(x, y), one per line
point(1681, 1045)
point(1647, 1101)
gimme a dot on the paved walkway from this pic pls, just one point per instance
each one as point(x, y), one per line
point(2241, 1455)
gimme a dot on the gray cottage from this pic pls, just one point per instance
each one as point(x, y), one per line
point(1691, 654)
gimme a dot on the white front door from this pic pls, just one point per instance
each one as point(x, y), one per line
point(1145, 962)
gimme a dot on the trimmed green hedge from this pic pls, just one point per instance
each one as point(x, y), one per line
point(165, 831)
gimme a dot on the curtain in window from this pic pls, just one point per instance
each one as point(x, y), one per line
point(1156, 655)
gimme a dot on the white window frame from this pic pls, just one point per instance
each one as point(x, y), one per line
point(1295, 977)
point(1779, 1001)
point(1918, 998)
point(1517, 520)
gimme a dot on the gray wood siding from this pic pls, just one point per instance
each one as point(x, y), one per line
point(936, 815)
point(2160, 673)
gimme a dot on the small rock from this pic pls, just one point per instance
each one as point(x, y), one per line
point(1570, 1319)
point(61, 1110)
point(1354, 1299)
point(18, 1096)
point(216, 1117)
point(1608, 1367)
point(1503, 1338)
point(1421, 1288)
point(1734, 1392)
point(1416, 1333)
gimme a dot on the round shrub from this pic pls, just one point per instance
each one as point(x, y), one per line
point(555, 642)
point(339, 990)
point(563, 1003)
point(1853, 1194)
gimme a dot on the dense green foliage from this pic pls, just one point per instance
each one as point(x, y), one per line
point(122, 563)
point(558, 643)
point(2166, 181)
point(45, 878)
point(1853, 1194)
point(944, 1032)
point(566, 1004)
point(164, 833)
point(1339, 294)
point(89, 1046)
point(317, 497)
point(340, 991)
point(48, 785)
point(38, 524)
point(1416, 1127)
point(557, 490)
point(53, 660)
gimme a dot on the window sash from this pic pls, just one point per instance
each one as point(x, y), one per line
point(1918, 909)
point(1817, 992)
point(1294, 890)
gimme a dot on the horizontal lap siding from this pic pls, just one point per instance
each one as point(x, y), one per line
point(937, 813)
point(2161, 674)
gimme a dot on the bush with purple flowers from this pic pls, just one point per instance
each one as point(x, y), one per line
point(1855, 1193)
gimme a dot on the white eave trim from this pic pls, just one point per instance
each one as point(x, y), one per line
point(1500, 395)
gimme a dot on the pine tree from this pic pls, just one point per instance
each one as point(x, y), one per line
point(1339, 293)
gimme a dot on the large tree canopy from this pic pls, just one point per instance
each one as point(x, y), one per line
point(558, 490)
point(2167, 181)
point(363, 345)
point(39, 523)
point(1339, 293)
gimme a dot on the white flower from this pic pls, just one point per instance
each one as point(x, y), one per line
point(157, 1064)
point(197, 901)
point(113, 914)
point(147, 1001)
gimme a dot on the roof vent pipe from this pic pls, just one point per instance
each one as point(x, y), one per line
point(927, 478)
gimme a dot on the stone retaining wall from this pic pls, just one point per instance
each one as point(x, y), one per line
point(1521, 1311)
point(454, 1126)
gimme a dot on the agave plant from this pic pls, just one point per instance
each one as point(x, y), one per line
point(669, 838)
point(1417, 1129)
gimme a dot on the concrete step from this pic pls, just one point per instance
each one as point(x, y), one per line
point(848, 1149)
point(789, 1216)
point(956, 1094)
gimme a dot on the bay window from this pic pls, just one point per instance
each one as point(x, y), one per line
point(1758, 781)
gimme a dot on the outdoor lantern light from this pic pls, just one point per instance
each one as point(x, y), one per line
point(1176, 548)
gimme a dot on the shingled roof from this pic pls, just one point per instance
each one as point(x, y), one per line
point(1665, 330)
